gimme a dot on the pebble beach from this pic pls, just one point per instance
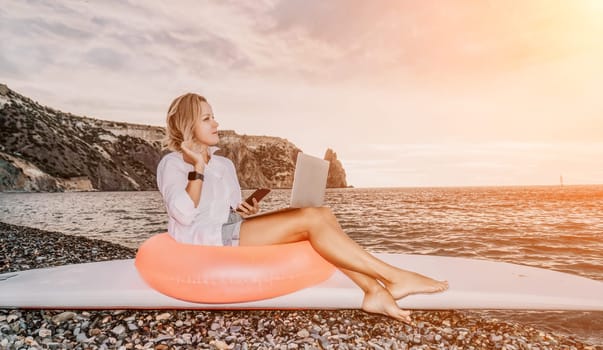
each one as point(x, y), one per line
point(23, 248)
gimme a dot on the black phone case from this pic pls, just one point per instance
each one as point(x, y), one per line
point(258, 195)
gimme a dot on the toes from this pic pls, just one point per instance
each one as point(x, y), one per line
point(442, 285)
point(404, 318)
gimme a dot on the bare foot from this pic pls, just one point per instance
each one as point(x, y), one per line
point(379, 301)
point(414, 283)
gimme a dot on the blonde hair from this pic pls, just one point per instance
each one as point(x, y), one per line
point(184, 111)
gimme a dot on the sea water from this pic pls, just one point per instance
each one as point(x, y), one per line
point(553, 227)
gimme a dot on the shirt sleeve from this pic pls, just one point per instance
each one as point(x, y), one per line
point(171, 182)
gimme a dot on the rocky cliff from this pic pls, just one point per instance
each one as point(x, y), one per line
point(43, 149)
point(336, 177)
point(261, 161)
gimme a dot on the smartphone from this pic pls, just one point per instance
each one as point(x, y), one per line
point(258, 195)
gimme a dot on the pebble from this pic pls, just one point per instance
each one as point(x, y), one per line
point(496, 338)
point(43, 333)
point(119, 330)
point(163, 316)
point(324, 342)
point(270, 339)
point(430, 338)
point(303, 333)
point(162, 338)
point(375, 346)
point(63, 316)
point(81, 338)
point(218, 344)
point(31, 342)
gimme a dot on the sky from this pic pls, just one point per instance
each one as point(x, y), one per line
point(407, 93)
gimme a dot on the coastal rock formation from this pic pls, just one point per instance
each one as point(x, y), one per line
point(261, 161)
point(21, 174)
point(336, 178)
point(43, 149)
point(59, 151)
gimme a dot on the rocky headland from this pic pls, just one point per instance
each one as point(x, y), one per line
point(44, 149)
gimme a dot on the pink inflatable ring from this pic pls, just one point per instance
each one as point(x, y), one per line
point(213, 274)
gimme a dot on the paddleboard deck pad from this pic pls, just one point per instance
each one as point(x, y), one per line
point(474, 284)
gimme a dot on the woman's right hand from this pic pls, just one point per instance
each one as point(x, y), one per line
point(194, 155)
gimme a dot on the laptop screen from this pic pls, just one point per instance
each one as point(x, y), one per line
point(309, 181)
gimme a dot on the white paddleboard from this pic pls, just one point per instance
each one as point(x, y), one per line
point(474, 284)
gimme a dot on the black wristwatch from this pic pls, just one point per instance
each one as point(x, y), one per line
point(193, 175)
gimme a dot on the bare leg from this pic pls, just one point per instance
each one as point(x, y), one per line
point(377, 299)
point(403, 284)
point(320, 227)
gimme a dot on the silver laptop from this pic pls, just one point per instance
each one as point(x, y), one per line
point(309, 183)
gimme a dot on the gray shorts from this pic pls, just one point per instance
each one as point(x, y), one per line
point(231, 229)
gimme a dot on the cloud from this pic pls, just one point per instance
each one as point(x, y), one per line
point(437, 40)
point(9, 69)
point(390, 43)
point(328, 74)
point(105, 57)
point(36, 27)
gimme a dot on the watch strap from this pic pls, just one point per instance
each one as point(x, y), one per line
point(193, 175)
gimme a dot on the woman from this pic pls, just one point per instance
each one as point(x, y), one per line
point(201, 193)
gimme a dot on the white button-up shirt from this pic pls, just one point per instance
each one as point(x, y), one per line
point(220, 191)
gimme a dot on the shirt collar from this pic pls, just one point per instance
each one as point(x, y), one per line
point(213, 149)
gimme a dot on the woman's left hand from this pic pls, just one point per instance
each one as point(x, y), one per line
point(245, 209)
